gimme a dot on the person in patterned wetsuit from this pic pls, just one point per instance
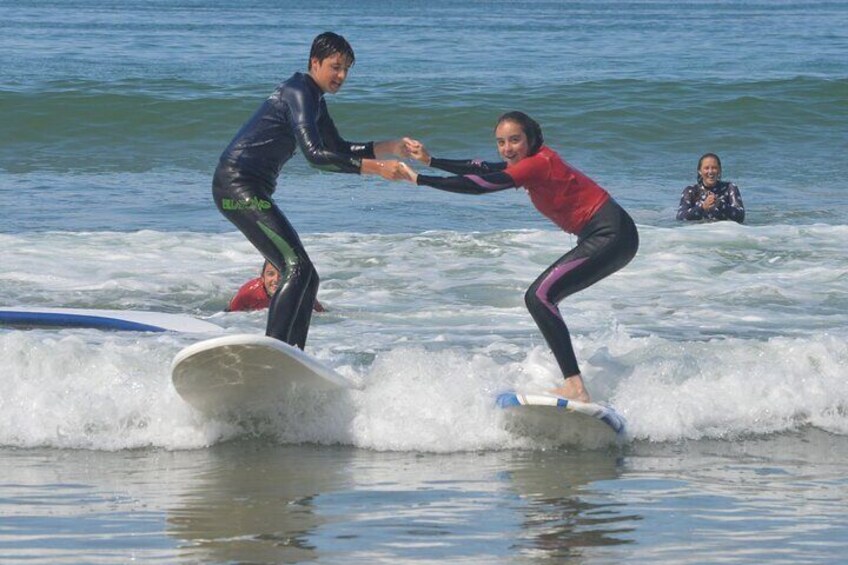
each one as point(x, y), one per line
point(709, 198)
point(293, 117)
point(607, 238)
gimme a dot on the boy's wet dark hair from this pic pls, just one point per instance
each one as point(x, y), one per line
point(328, 44)
point(531, 129)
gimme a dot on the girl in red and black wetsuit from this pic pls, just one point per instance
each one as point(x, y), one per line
point(606, 236)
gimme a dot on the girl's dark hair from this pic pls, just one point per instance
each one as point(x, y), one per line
point(531, 129)
point(701, 160)
point(328, 44)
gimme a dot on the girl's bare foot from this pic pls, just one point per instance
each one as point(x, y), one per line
point(572, 389)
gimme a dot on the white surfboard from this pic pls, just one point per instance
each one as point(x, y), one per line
point(24, 317)
point(247, 373)
point(561, 421)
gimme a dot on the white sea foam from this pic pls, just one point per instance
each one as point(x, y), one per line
point(713, 331)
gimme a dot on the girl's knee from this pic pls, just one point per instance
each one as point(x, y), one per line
point(532, 300)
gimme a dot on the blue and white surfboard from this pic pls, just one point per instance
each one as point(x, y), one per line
point(564, 421)
point(116, 320)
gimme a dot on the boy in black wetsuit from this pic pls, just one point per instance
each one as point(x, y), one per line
point(294, 116)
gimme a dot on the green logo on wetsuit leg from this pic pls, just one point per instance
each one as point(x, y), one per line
point(253, 203)
point(289, 256)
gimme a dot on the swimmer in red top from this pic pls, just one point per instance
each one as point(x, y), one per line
point(256, 293)
point(606, 236)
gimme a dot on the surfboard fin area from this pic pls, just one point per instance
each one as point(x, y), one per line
point(561, 419)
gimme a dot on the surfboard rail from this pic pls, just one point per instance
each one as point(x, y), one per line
point(549, 403)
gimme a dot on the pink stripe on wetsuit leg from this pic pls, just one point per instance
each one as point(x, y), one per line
point(556, 274)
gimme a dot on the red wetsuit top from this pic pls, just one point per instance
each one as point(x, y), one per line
point(559, 191)
point(251, 296)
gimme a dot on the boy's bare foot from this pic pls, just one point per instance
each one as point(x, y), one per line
point(572, 389)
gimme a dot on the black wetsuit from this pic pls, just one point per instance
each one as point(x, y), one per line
point(728, 203)
point(294, 116)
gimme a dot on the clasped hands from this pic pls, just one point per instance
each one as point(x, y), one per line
point(397, 170)
point(406, 148)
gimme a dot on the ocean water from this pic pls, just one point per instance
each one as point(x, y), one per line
point(725, 346)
